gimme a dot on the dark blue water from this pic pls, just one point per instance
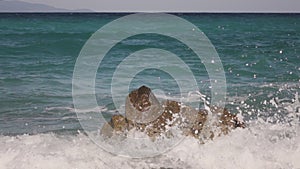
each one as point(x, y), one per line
point(260, 54)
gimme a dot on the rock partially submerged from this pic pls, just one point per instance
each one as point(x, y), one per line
point(144, 113)
point(142, 106)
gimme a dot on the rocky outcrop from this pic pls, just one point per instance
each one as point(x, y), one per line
point(118, 125)
point(144, 113)
point(142, 106)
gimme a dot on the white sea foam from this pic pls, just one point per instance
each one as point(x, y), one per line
point(260, 146)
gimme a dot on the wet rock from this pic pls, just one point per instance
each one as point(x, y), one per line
point(189, 114)
point(198, 123)
point(117, 125)
point(226, 120)
point(142, 106)
point(169, 117)
point(145, 114)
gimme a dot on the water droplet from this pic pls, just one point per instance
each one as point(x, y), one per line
point(265, 102)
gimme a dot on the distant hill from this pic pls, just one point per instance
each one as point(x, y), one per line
point(19, 6)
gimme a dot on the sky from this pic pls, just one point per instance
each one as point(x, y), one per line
point(176, 5)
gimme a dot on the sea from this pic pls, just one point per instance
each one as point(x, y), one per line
point(39, 123)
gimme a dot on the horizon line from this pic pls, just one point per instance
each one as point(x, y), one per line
point(177, 12)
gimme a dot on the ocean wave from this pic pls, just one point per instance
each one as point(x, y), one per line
point(261, 145)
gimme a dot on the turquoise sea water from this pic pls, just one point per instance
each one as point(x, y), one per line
point(260, 54)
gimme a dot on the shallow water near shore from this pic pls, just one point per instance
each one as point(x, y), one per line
point(39, 127)
point(259, 146)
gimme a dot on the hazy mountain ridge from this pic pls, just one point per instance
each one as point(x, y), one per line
point(20, 6)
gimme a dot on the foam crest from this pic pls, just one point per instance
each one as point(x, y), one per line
point(261, 145)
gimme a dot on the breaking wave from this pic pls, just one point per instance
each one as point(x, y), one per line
point(261, 145)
